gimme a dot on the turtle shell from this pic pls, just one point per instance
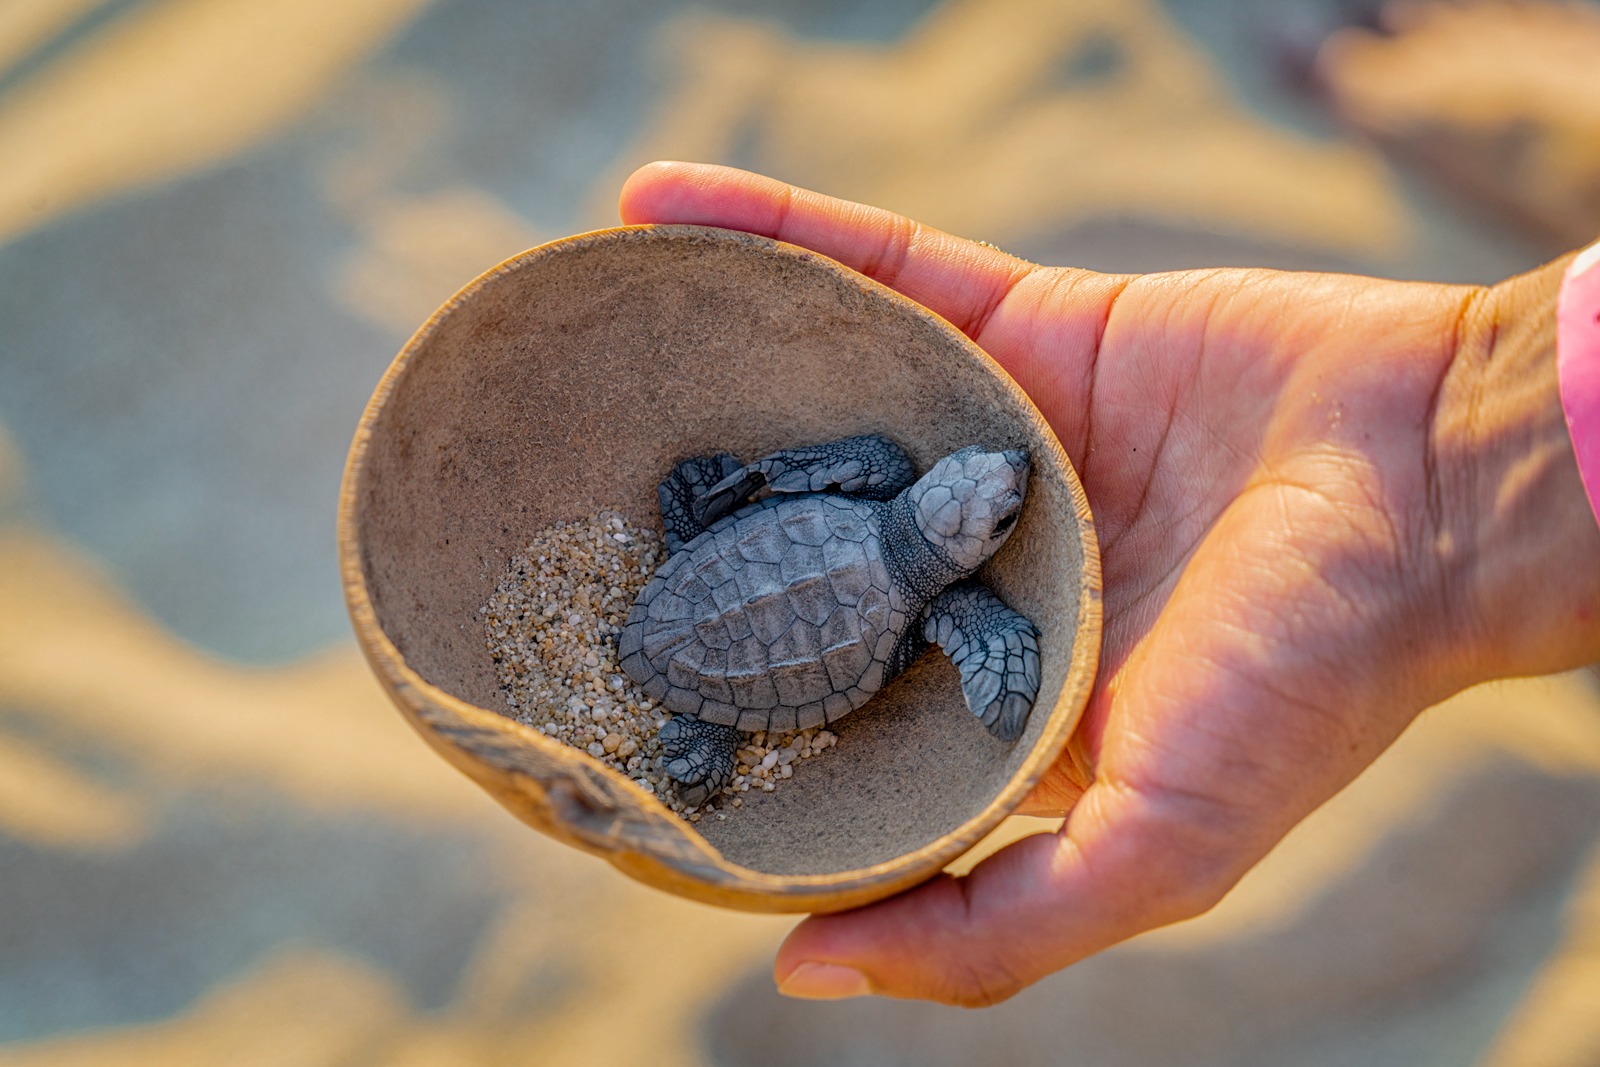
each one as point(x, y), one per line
point(781, 616)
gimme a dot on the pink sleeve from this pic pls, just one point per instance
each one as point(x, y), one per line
point(1578, 365)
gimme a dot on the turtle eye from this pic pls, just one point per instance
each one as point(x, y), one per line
point(1003, 525)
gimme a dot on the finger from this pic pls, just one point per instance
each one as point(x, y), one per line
point(1068, 778)
point(1043, 325)
point(1055, 795)
point(964, 282)
point(1062, 785)
point(1119, 868)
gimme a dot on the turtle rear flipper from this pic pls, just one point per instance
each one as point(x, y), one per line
point(870, 466)
point(995, 649)
point(699, 757)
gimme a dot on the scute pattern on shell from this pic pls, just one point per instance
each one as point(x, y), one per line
point(780, 618)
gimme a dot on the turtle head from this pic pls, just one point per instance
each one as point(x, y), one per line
point(968, 504)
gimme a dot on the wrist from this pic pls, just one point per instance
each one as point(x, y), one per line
point(1520, 545)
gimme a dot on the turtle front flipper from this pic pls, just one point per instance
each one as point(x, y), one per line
point(995, 649)
point(681, 491)
point(870, 466)
point(700, 757)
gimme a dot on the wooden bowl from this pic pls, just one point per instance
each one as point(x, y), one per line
point(570, 379)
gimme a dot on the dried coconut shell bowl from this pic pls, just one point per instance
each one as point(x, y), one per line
point(570, 379)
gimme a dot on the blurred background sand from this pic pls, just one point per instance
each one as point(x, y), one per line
point(219, 219)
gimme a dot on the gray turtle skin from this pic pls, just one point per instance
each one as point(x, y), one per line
point(793, 611)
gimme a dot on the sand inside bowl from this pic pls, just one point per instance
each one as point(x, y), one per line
point(551, 627)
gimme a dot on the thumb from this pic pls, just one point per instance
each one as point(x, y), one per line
point(1119, 867)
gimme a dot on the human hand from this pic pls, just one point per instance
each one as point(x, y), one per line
point(1323, 503)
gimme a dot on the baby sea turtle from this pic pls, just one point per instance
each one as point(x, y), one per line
point(793, 611)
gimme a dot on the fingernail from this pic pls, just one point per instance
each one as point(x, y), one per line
point(824, 981)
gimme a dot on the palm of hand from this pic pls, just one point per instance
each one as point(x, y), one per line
point(1253, 523)
point(1228, 451)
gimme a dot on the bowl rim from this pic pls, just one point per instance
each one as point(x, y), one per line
point(694, 868)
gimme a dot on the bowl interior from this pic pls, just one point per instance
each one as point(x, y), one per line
point(572, 378)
